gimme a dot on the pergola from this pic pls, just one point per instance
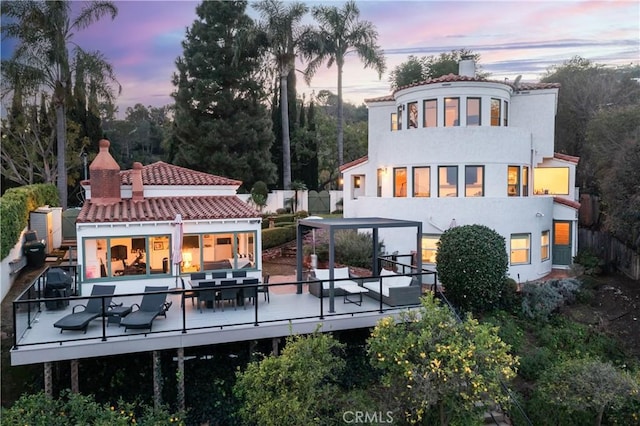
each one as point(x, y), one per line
point(333, 225)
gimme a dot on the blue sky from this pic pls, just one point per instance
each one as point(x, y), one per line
point(513, 37)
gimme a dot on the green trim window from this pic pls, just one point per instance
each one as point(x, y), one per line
point(121, 256)
point(520, 249)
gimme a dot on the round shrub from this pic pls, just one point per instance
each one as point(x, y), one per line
point(472, 266)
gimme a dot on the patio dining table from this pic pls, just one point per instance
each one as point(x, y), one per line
point(217, 287)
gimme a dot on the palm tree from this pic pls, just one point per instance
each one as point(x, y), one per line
point(281, 25)
point(45, 30)
point(340, 33)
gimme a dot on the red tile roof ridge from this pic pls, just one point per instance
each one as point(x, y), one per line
point(354, 163)
point(161, 173)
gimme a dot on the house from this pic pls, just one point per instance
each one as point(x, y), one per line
point(127, 230)
point(460, 149)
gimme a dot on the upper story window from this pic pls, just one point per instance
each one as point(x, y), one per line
point(474, 181)
point(399, 117)
point(513, 181)
point(400, 182)
point(394, 121)
point(551, 180)
point(412, 115)
point(473, 112)
point(505, 115)
point(448, 181)
point(430, 113)
point(379, 182)
point(495, 112)
point(421, 181)
point(451, 112)
point(525, 181)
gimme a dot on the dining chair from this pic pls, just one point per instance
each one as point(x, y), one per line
point(218, 275)
point(198, 276)
point(250, 290)
point(265, 288)
point(207, 296)
point(228, 293)
point(187, 294)
point(239, 274)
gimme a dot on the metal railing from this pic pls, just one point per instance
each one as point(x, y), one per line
point(32, 305)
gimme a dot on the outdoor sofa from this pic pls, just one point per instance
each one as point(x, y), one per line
point(320, 281)
point(397, 290)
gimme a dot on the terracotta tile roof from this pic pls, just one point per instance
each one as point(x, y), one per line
point(569, 203)
point(161, 173)
point(450, 78)
point(355, 162)
point(565, 157)
point(387, 98)
point(166, 208)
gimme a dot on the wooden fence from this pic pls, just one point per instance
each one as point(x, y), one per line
point(611, 250)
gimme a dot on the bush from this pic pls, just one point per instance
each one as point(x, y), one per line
point(284, 218)
point(540, 300)
point(472, 266)
point(354, 248)
point(567, 288)
point(277, 236)
point(532, 364)
point(589, 261)
point(510, 299)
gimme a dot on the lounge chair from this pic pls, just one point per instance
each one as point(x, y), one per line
point(93, 309)
point(152, 305)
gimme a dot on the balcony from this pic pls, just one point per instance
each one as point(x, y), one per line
point(36, 340)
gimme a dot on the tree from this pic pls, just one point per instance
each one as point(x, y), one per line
point(416, 70)
point(436, 369)
point(220, 116)
point(340, 32)
point(472, 265)
point(281, 24)
point(45, 29)
point(294, 388)
point(586, 89)
point(577, 386)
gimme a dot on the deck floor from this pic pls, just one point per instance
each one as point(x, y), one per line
point(286, 313)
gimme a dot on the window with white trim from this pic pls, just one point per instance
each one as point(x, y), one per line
point(544, 245)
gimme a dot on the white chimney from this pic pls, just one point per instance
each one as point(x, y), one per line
point(467, 67)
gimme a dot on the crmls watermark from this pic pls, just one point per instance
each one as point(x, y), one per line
point(366, 417)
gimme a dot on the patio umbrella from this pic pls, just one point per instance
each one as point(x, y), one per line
point(176, 255)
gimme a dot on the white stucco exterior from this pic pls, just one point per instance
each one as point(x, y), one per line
point(523, 141)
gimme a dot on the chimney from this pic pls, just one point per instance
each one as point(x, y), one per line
point(136, 182)
point(105, 177)
point(467, 67)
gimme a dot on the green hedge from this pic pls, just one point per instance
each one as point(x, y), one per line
point(15, 206)
point(274, 237)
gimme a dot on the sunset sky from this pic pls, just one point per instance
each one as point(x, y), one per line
point(513, 38)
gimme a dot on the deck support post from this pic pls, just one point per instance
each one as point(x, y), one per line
point(180, 379)
point(157, 380)
point(275, 350)
point(48, 379)
point(75, 387)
